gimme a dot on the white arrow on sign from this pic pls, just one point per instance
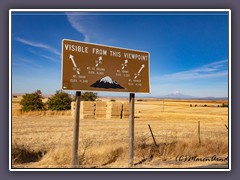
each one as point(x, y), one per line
point(138, 74)
point(141, 69)
point(71, 57)
point(99, 61)
point(74, 64)
point(125, 64)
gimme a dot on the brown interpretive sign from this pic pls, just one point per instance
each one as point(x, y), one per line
point(93, 67)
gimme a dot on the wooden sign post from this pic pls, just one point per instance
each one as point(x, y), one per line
point(76, 131)
point(131, 128)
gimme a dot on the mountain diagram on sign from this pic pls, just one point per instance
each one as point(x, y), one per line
point(106, 83)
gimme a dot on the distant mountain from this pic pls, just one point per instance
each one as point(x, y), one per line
point(107, 83)
point(177, 95)
point(214, 98)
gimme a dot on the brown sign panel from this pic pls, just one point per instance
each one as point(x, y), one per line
point(93, 67)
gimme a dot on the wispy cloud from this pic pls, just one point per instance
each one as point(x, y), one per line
point(44, 56)
point(84, 24)
point(92, 27)
point(212, 70)
point(28, 66)
point(28, 62)
point(50, 58)
point(38, 45)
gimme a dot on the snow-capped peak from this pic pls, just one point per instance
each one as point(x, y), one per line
point(176, 93)
point(107, 79)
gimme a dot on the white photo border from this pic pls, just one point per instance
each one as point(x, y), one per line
point(119, 10)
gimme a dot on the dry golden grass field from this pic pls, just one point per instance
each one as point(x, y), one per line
point(44, 140)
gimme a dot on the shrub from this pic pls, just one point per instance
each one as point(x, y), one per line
point(112, 100)
point(59, 101)
point(89, 96)
point(22, 154)
point(224, 105)
point(32, 101)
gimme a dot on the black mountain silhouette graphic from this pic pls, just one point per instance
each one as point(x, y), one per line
point(106, 83)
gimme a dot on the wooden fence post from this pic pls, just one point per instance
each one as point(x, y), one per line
point(152, 135)
point(226, 126)
point(199, 133)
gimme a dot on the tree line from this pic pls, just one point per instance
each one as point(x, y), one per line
point(59, 101)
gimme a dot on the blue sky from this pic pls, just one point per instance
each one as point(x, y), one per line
point(188, 50)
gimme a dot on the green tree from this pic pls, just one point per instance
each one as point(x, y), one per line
point(32, 101)
point(89, 96)
point(224, 105)
point(59, 101)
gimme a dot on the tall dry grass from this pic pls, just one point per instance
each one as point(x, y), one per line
point(18, 112)
point(104, 143)
point(91, 156)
